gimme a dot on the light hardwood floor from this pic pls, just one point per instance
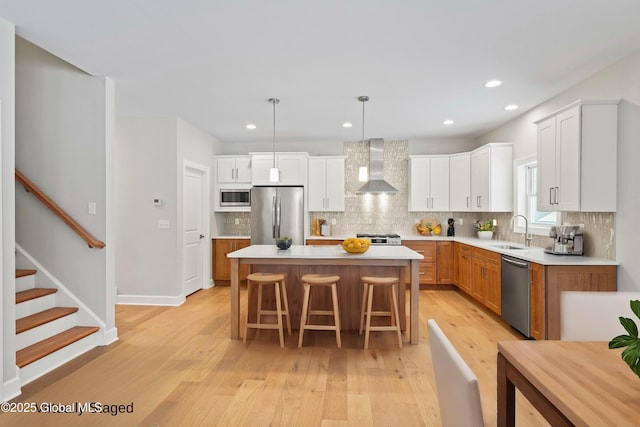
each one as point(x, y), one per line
point(178, 366)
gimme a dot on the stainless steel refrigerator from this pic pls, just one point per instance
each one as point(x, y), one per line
point(276, 212)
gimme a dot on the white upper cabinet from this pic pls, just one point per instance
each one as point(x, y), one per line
point(233, 169)
point(428, 183)
point(326, 184)
point(577, 158)
point(460, 182)
point(293, 168)
point(492, 178)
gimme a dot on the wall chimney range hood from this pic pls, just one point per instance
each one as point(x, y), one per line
point(376, 183)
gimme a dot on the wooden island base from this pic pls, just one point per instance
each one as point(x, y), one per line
point(349, 292)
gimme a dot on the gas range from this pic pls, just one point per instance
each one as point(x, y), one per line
point(382, 239)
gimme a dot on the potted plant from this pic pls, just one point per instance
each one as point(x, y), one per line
point(484, 229)
point(631, 355)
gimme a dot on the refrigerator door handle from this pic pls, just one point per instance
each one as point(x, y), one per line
point(273, 217)
point(278, 216)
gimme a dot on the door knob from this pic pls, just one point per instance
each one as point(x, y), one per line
point(202, 236)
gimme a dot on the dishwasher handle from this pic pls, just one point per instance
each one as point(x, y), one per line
point(521, 264)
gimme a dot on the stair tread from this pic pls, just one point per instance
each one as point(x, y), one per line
point(22, 273)
point(45, 347)
point(34, 293)
point(37, 319)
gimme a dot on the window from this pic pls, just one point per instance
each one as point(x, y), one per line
point(526, 199)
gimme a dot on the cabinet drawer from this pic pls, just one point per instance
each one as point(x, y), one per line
point(426, 249)
point(427, 274)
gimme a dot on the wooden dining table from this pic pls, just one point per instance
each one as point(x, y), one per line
point(568, 382)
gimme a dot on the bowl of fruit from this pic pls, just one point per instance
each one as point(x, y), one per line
point(355, 245)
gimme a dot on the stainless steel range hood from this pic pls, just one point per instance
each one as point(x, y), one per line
point(376, 183)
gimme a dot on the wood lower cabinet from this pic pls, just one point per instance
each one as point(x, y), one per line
point(464, 267)
point(536, 301)
point(485, 278)
point(322, 242)
point(428, 266)
point(221, 268)
point(445, 263)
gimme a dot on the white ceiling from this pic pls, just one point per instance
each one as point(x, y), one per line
point(216, 62)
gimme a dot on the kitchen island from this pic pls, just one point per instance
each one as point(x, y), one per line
point(299, 260)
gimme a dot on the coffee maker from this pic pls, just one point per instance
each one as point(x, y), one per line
point(567, 240)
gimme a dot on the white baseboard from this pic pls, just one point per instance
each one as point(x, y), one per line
point(173, 301)
point(11, 388)
point(110, 336)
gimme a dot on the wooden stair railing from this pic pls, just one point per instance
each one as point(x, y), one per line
point(58, 211)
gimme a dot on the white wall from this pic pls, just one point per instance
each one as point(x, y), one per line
point(62, 140)
point(146, 168)
point(10, 386)
point(149, 164)
point(619, 81)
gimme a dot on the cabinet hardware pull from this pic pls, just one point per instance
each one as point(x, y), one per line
point(467, 201)
point(550, 198)
point(420, 252)
point(556, 195)
point(421, 273)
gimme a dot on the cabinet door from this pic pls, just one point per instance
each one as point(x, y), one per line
point(478, 279)
point(243, 169)
point(260, 165)
point(536, 301)
point(335, 185)
point(464, 269)
point(445, 263)
point(493, 295)
point(546, 165)
point(221, 264)
point(480, 180)
point(460, 182)
point(419, 182)
point(568, 160)
point(226, 169)
point(293, 169)
point(317, 184)
point(439, 183)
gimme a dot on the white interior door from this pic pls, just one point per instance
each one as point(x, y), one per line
point(194, 214)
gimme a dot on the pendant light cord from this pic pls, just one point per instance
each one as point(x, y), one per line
point(274, 101)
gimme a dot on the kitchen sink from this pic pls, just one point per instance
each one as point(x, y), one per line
point(506, 247)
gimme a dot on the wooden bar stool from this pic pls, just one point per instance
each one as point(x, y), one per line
point(309, 280)
point(278, 282)
point(369, 284)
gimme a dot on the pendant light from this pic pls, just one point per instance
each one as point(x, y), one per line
point(274, 172)
point(363, 173)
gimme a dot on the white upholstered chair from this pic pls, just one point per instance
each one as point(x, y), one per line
point(593, 316)
point(458, 391)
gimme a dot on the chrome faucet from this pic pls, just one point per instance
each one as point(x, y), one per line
point(527, 237)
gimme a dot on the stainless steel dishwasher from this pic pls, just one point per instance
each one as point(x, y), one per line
point(515, 293)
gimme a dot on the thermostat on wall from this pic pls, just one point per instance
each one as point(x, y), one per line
point(157, 202)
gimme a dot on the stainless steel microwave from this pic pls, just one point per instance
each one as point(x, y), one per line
point(235, 197)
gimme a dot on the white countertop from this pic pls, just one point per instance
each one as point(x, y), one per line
point(532, 254)
point(324, 252)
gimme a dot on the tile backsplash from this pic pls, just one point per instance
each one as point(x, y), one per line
point(388, 213)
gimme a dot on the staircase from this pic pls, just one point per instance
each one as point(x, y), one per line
point(47, 336)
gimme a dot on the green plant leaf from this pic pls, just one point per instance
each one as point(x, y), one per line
point(621, 341)
point(631, 354)
point(629, 326)
point(635, 307)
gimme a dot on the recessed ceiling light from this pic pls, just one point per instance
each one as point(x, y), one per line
point(347, 125)
point(448, 122)
point(251, 126)
point(492, 83)
point(511, 107)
